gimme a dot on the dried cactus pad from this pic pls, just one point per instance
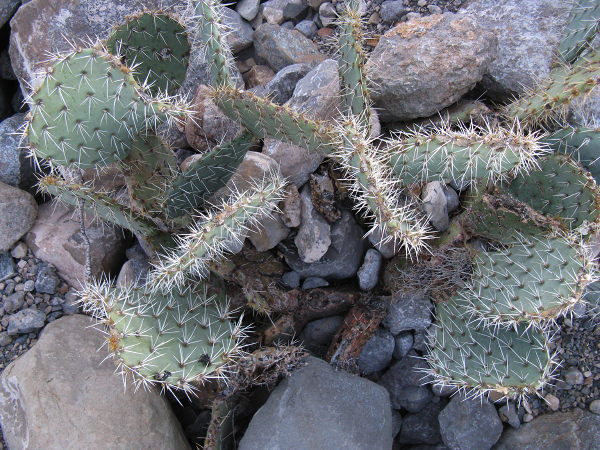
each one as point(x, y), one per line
point(561, 188)
point(534, 279)
point(467, 354)
point(86, 111)
point(157, 45)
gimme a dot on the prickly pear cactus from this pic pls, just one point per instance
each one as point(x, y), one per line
point(581, 29)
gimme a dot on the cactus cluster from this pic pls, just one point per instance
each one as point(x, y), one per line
point(535, 209)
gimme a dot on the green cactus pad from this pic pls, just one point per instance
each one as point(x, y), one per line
point(469, 154)
point(534, 279)
point(174, 339)
point(550, 101)
point(583, 144)
point(206, 176)
point(266, 119)
point(581, 29)
point(157, 44)
point(469, 355)
point(87, 111)
point(561, 188)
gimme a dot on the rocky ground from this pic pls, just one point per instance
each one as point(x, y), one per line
point(313, 253)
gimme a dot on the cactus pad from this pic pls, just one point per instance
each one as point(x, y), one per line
point(174, 339)
point(560, 188)
point(512, 362)
point(534, 279)
point(158, 46)
point(581, 29)
point(583, 144)
point(87, 111)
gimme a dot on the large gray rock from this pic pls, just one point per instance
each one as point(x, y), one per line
point(240, 37)
point(573, 430)
point(18, 211)
point(16, 168)
point(56, 238)
point(317, 96)
point(343, 258)
point(404, 381)
point(58, 396)
point(428, 63)
point(43, 26)
point(470, 424)
point(281, 47)
point(528, 35)
point(319, 408)
point(7, 9)
point(411, 311)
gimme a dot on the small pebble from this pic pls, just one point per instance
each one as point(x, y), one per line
point(595, 407)
point(573, 376)
point(552, 401)
point(314, 282)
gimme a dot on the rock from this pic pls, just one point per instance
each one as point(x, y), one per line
point(595, 406)
point(396, 422)
point(7, 9)
point(368, 274)
point(314, 282)
point(392, 11)
point(470, 424)
point(307, 27)
point(5, 339)
point(338, 411)
point(43, 394)
point(268, 233)
point(26, 321)
point(410, 311)
point(508, 413)
point(435, 205)
point(7, 266)
point(292, 207)
point(16, 168)
point(209, 126)
point(29, 286)
point(272, 15)
point(323, 194)
point(422, 427)
point(403, 344)
point(281, 47)
point(40, 27)
point(258, 75)
point(253, 167)
point(248, 9)
point(281, 88)
point(377, 352)
point(295, 10)
point(314, 235)
point(19, 211)
point(426, 64)
point(14, 302)
point(452, 200)
point(70, 305)
point(19, 251)
point(133, 273)
point(291, 280)
point(343, 258)
point(317, 96)
point(46, 280)
point(56, 238)
point(240, 37)
point(404, 381)
point(527, 41)
point(552, 401)
point(327, 14)
point(573, 430)
point(317, 334)
point(573, 376)
point(315, 4)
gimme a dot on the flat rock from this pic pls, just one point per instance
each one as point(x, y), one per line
point(240, 37)
point(411, 311)
point(44, 392)
point(281, 47)
point(16, 168)
point(56, 238)
point(19, 211)
point(377, 352)
point(319, 408)
point(527, 40)
point(428, 63)
point(317, 96)
point(25, 321)
point(470, 424)
point(574, 430)
point(7, 266)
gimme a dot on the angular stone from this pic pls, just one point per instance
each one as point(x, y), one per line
point(248, 9)
point(314, 235)
point(404, 344)
point(317, 96)
point(258, 75)
point(527, 41)
point(377, 352)
point(14, 302)
point(269, 232)
point(292, 207)
point(18, 212)
point(46, 280)
point(43, 394)
point(240, 37)
point(343, 258)
point(281, 47)
point(25, 321)
point(574, 430)
point(368, 274)
point(307, 27)
point(508, 413)
point(16, 168)
point(404, 381)
point(426, 64)
point(281, 88)
point(319, 408)
point(7, 266)
point(327, 14)
point(410, 311)
point(7, 9)
point(392, 11)
point(56, 238)
point(470, 424)
point(133, 273)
